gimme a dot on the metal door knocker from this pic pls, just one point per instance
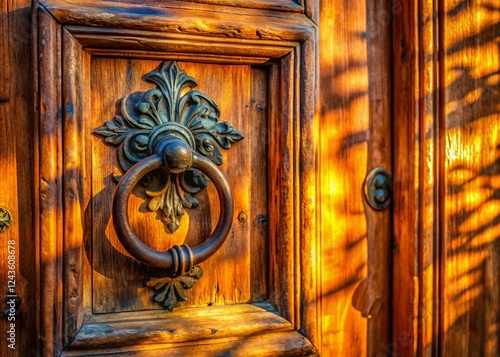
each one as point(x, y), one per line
point(172, 138)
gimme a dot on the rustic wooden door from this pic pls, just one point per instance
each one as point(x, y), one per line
point(322, 92)
point(297, 275)
point(115, 80)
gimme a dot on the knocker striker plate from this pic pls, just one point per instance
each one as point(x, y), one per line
point(173, 137)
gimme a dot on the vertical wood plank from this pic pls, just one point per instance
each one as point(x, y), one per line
point(405, 278)
point(281, 188)
point(378, 44)
point(75, 109)
point(426, 151)
point(308, 137)
point(471, 171)
point(259, 248)
point(50, 170)
point(343, 163)
point(16, 177)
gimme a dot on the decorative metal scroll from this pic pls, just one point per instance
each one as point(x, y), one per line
point(148, 126)
point(148, 117)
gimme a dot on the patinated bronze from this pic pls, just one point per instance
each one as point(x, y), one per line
point(5, 219)
point(177, 138)
point(145, 118)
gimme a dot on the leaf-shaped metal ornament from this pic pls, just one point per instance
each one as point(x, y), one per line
point(173, 108)
point(170, 292)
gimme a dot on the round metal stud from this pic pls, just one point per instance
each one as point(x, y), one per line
point(378, 188)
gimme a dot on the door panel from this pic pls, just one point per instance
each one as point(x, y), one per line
point(262, 277)
point(316, 277)
point(237, 273)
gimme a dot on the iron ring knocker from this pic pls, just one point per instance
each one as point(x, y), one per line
point(175, 128)
point(175, 156)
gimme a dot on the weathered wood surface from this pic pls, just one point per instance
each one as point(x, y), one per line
point(269, 254)
point(237, 273)
point(279, 344)
point(183, 326)
point(470, 167)
point(17, 174)
point(50, 171)
point(355, 137)
point(427, 152)
point(445, 271)
point(404, 284)
point(185, 18)
point(449, 66)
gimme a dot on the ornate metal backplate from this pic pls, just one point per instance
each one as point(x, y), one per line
point(146, 118)
point(143, 121)
point(5, 219)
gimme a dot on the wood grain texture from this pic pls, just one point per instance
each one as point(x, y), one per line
point(76, 193)
point(279, 344)
point(283, 5)
point(241, 271)
point(50, 195)
point(79, 92)
point(454, 81)
point(355, 136)
point(281, 224)
point(426, 154)
point(17, 173)
point(343, 160)
point(117, 42)
point(183, 327)
point(405, 276)
point(470, 119)
point(226, 22)
point(307, 134)
point(226, 277)
point(380, 145)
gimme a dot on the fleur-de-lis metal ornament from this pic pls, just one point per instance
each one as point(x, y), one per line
point(148, 117)
point(147, 120)
point(170, 291)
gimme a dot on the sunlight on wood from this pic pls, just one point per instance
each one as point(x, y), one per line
point(344, 135)
point(472, 169)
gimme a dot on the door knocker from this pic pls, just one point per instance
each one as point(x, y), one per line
point(172, 138)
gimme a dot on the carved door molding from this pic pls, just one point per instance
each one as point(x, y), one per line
point(68, 37)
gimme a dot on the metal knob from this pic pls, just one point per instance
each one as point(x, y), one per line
point(378, 189)
point(175, 156)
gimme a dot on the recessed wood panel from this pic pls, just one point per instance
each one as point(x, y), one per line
point(264, 84)
point(238, 272)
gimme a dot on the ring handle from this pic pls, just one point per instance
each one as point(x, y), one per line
point(175, 156)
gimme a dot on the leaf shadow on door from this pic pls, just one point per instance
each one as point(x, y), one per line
point(467, 306)
point(467, 303)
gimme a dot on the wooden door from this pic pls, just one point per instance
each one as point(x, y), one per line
point(306, 269)
point(113, 74)
point(323, 93)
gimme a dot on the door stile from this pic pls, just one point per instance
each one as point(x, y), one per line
point(75, 108)
point(50, 181)
point(309, 254)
